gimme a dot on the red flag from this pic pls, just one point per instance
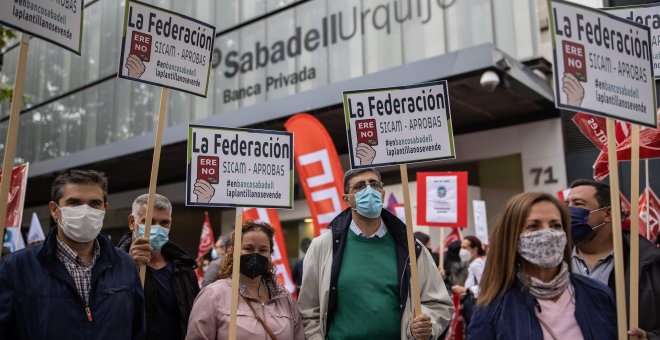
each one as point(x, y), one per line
point(455, 331)
point(653, 220)
point(625, 223)
point(593, 127)
point(318, 167)
point(206, 239)
point(12, 233)
point(454, 235)
point(563, 194)
point(279, 257)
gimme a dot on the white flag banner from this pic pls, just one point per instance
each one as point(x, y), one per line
point(36, 233)
point(13, 239)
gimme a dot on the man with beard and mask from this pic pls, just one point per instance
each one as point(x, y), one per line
point(76, 285)
point(593, 256)
point(356, 277)
point(170, 285)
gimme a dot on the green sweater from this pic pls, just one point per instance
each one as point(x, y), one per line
point(368, 291)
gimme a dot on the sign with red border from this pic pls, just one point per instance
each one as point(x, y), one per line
point(442, 199)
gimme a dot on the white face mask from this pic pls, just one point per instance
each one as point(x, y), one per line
point(81, 223)
point(465, 255)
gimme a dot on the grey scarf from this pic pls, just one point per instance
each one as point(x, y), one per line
point(545, 290)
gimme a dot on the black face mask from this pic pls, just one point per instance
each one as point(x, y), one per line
point(253, 265)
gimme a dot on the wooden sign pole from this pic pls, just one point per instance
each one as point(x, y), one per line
point(442, 249)
point(634, 228)
point(414, 288)
point(235, 273)
point(154, 172)
point(12, 131)
point(646, 193)
point(616, 231)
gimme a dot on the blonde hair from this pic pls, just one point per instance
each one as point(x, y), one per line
point(501, 267)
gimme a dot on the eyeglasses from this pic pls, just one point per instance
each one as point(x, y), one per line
point(374, 184)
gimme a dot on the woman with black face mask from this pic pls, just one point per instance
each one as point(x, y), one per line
point(266, 310)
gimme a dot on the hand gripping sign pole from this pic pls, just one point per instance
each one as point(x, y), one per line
point(634, 227)
point(235, 273)
point(154, 173)
point(414, 288)
point(12, 130)
point(616, 231)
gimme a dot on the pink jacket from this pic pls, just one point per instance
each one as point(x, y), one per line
point(209, 318)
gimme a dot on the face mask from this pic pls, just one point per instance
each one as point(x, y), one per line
point(81, 223)
point(204, 268)
point(158, 235)
point(369, 202)
point(214, 254)
point(465, 255)
point(580, 228)
point(544, 248)
point(253, 265)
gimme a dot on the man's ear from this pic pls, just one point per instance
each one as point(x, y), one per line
point(54, 211)
point(608, 214)
point(131, 222)
point(346, 199)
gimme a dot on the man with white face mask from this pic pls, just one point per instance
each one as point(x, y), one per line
point(76, 285)
point(356, 277)
point(170, 285)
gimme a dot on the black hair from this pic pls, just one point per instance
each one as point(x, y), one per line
point(602, 190)
point(91, 177)
point(354, 172)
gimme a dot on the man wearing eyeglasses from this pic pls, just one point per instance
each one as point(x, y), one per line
point(356, 277)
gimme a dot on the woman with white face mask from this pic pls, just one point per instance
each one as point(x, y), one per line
point(527, 290)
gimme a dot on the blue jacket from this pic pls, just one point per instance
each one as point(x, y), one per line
point(511, 315)
point(39, 299)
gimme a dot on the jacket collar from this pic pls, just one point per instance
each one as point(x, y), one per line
point(340, 225)
point(48, 252)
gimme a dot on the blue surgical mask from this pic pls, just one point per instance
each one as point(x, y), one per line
point(369, 202)
point(580, 228)
point(158, 235)
point(214, 254)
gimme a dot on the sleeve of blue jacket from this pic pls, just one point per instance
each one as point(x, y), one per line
point(139, 319)
point(6, 302)
point(481, 327)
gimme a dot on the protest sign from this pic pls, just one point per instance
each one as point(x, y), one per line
point(480, 220)
point(164, 48)
point(442, 199)
point(59, 22)
point(602, 64)
point(647, 15)
point(398, 125)
point(230, 167)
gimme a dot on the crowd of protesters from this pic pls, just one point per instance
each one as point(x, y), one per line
point(547, 273)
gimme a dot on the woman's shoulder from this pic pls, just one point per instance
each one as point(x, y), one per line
point(217, 288)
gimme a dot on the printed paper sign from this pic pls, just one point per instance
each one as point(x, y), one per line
point(602, 64)
point(442, 199)
point(60, 22)
point(230, 167)
point(647, 15)
point(164, 48)
point(399, 125)
point(480, 220)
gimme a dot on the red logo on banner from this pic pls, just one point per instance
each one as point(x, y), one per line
point(653, 220)
point(208, 168)
point(318, 167)
point(446, 204)
point(279, 257)
point(366, 131)
point(141, 45)
point(575, 60)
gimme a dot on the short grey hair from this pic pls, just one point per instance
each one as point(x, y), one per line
point(354, 172)
point(160, 202)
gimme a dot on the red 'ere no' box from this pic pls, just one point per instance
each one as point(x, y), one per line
point(141, 45)
point(208, 168)
point(366, 131)
point(575, 61)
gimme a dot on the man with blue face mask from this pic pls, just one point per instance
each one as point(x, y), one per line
point(76, 284)
point(356, 276)
point(591, 230)
point(170, 285)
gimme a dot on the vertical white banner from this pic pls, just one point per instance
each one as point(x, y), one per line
point(480, 220)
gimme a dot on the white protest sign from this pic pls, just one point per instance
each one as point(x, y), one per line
point(60, 22)
point(230, 167)
point(165, 48)
point(647, 15)
point(442, 199)
point(602, 64)
point(480, 220)
point(399, 125)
